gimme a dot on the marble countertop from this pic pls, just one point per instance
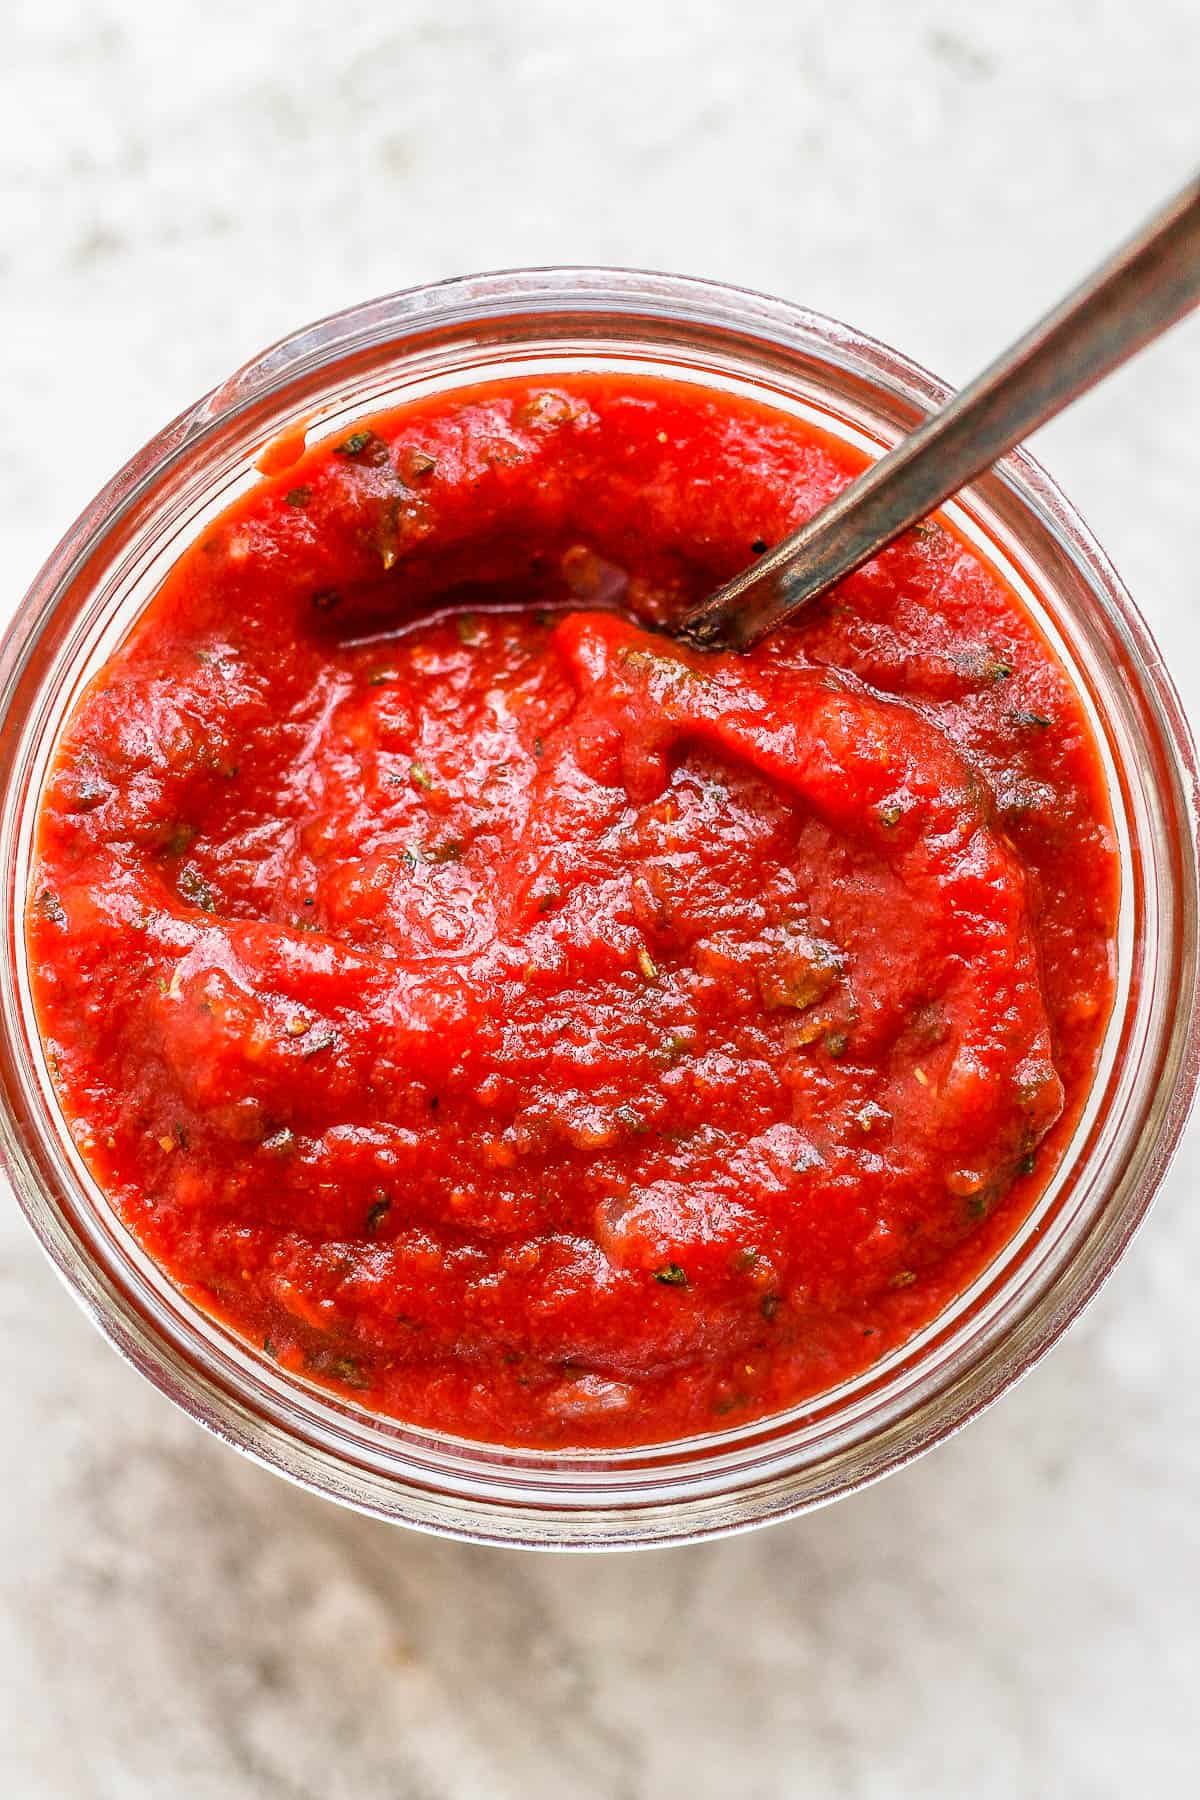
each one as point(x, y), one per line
point(1014, 1615)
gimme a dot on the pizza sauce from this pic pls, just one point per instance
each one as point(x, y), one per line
point(522, 1024)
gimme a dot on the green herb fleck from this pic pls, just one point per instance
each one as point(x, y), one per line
point(348, 1371)
point(210, 760)
point(929, 1025)
point(355, 444)
point(280, 1143)
point(1027, 1163)
point(90, 791)
point(671, 1275)
point(632, 1120)
point(799, 974)
point(890, 815)
point(647, 964)
point(377, 1214)
point(835, 1042)
point(769, 1305)
point(468, 628)
point(179, 839)
point(420, 776)
point(418, 464)
point(448, 851)
point(1028, 721)
point(745, 1259)
point(52, 908)
point(980, 663)
point(671, 1049)
point(193, 887)
point(298, 496)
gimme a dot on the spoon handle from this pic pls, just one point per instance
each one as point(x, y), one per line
point(1148, 285)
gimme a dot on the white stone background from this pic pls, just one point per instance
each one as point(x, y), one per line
point(1017, 1614)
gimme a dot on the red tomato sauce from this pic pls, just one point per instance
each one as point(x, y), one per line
point(530, 1028)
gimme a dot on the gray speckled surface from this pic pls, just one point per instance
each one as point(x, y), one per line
point(1016, 1614)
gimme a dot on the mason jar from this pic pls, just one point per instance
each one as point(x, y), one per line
point(430, 341)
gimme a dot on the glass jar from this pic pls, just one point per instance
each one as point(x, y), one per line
point(542, 321)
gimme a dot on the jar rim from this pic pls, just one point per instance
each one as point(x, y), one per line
point(692, 1488)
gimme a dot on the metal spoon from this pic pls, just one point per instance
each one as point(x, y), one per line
point(1147, 286)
